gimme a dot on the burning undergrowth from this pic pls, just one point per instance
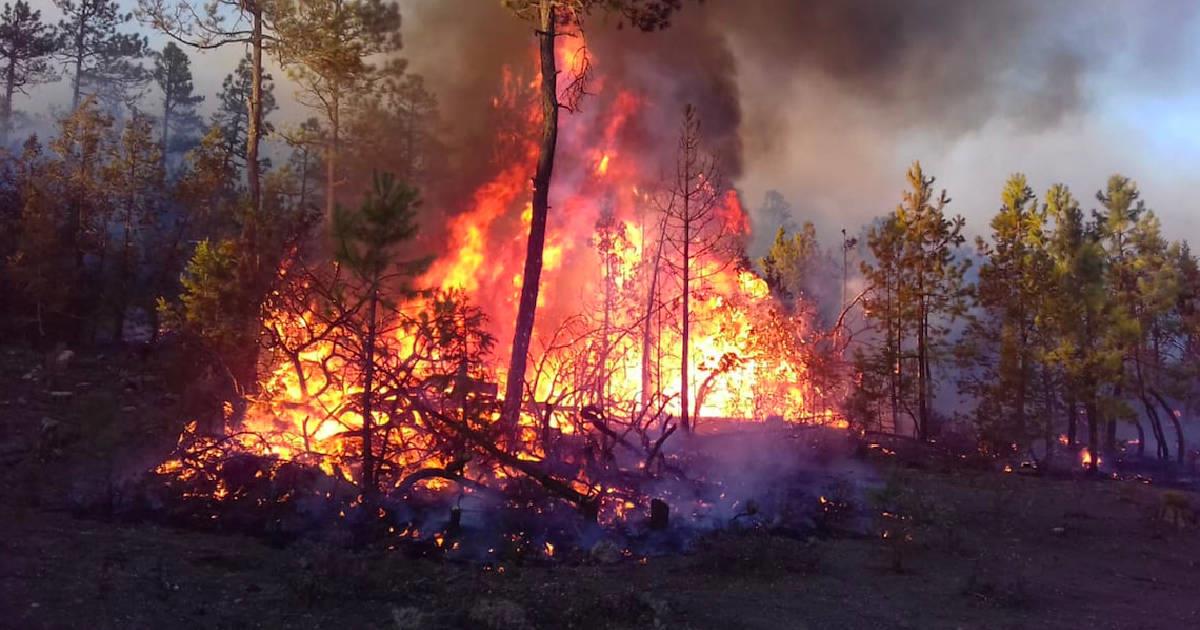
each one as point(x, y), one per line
point(770, 478)
point(377, 408)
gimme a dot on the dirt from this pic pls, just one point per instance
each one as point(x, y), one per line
point(963, 549)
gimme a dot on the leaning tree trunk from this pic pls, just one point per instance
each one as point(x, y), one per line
point(527, 309)
point(651, 294)
point(1180, 442)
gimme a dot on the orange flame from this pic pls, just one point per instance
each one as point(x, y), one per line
point(746, 360)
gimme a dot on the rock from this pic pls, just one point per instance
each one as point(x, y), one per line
point(498, 614)
point(409, 618)
point(606, 552)
point(1059, 531)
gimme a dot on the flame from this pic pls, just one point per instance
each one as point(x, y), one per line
point(603, 237)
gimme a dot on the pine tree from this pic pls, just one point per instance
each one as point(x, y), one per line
point(917, 287)
point(775, 213)
point(76, 178)
point(885, 307)
point(1003, 341)
point(222, 23)
point(173, 74)
point(794, 265)
point(326, 45)
point(367, 242)
point(134, 176)
point(40, 267)
point(100, 60)
point(233, 112)
point(26, 44)
point(1078, 314)
point(393, 127)
point(1117, 220)
point(696, 229)
point(552, 19)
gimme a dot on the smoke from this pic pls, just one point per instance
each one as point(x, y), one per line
point(825, 99)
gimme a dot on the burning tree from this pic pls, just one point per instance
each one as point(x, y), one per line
point(552, 19)
point(404, 403)
point(698, 230)
point(366, 244)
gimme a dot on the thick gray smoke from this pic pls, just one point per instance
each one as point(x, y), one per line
point(828, 100)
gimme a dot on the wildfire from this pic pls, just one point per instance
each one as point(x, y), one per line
point(602, 251)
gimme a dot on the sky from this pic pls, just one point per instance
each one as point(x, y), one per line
point(834, 98)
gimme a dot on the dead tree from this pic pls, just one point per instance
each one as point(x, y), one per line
point(697, 230)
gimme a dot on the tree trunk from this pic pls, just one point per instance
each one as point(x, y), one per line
point(122, 301)
point(331, 154)
point(523, 334)
point(897, 362)
point(166, 122)
point(685, 330)
point(922, 373)
point(10, 86)
point(1020, 427)
point(1180, 442)
point(369, 484)
point(254, 123)
point(1093, 420)
point(1160, 437)
point(77, 80)
point(1072, 421)
point(647, 336)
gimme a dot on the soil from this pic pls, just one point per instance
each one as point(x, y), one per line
point(950, 548)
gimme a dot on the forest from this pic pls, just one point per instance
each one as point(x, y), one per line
point(324, 341)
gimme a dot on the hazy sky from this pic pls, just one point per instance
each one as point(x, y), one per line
point(837, 98)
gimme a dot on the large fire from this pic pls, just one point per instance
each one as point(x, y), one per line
point(595, 322)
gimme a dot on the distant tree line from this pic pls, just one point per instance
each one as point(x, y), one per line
point(1072, 325)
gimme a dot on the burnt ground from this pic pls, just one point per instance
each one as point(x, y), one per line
point(965, 549)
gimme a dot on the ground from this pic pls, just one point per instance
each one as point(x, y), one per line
point(965, 549)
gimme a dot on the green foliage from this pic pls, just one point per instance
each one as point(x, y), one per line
point(180, 122)
point(793, 263)
point(1001, 348)
point(101, 60)
point(365, 240)
point(232, 115)
point(210, 296)
point(26, 43)
point(916, 291)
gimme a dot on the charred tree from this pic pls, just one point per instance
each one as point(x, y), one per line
point(552, 18)
point(696, 228)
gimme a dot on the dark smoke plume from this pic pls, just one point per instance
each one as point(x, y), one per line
point(800, 94)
